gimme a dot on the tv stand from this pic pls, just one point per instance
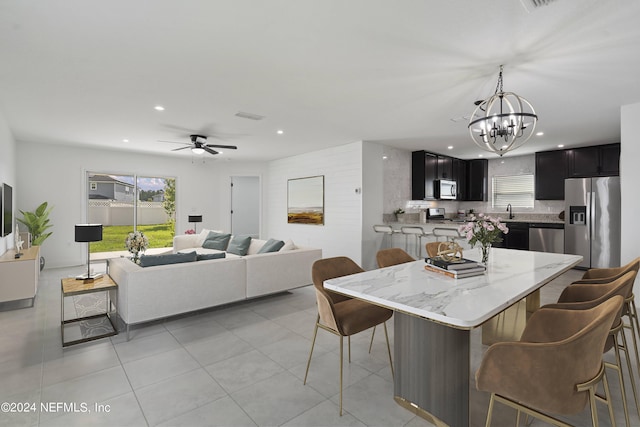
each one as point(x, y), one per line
point(20, 273)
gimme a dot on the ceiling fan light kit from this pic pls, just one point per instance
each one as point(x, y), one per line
point(503, 122)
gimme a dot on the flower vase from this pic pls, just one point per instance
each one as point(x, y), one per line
point(484, 251)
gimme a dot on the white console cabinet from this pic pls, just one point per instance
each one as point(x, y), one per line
point(19, 276)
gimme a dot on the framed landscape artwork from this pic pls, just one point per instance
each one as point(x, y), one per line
point(305, 200)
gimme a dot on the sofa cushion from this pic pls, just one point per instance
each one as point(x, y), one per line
point(204, 257)
point(151, 260)
point(272, 245)
point(239, 245)
point(218, 241)
point(288, 246)
point(202, 236)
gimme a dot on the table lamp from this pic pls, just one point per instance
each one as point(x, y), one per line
point(88, 233)
point(195, 219)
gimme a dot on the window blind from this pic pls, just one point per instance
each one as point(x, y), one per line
point(515, 189)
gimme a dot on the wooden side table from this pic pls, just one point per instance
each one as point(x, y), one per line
point(73, 286)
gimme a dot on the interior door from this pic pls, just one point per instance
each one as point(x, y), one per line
point(245, 206)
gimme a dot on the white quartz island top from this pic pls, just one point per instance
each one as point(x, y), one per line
point(460, 303)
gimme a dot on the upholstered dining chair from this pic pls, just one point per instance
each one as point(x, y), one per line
point(340, 314)
point(539, 376)
point(605, 275)
point(581, 297)
point(392, 256)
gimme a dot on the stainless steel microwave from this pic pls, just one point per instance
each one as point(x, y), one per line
point(445, 189)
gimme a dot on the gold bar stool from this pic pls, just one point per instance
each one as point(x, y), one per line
point(418, 234)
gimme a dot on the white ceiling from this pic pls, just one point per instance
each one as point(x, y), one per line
point(327, 72)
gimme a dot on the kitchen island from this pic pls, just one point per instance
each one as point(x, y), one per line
point(434, 315)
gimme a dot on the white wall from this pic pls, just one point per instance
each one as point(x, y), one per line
point(629, 179)
point(56, 174)
point(341, 234)
point(7, 173)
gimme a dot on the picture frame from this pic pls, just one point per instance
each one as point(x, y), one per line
point(305, 200)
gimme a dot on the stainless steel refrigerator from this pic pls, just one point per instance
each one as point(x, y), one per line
point(592, 220)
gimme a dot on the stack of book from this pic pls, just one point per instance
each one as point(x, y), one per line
point(457, 269)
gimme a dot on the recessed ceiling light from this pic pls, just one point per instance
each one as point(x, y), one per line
point(159, 108)
point(560, 145)
point(125, 140)
point(539, 133)
point(450, 147)
point(479, 155)
point(384, 157)
point(280, 131)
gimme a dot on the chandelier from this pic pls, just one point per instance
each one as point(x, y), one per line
point(503, 122)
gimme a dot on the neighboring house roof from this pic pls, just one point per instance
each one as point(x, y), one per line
point(98, 196)
point(108, 179)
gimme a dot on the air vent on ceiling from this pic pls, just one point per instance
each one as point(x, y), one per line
point(533, 4)
point(249, 116)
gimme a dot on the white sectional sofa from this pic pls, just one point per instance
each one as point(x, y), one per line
point(150, 293)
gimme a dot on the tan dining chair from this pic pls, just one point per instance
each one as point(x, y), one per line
point(392, 256)
point(342, 315)
point(581, 297)
point(539, 376)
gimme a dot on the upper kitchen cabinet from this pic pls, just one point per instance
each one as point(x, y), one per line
point(459, 171)
point(424, 167)
point(445, 167)
point(551, 171)
point(599, 160)
point(477, 175)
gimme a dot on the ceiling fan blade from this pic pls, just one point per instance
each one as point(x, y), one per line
point(209, 150)
point(229, 147)
point(175, 142)
point(181, 148)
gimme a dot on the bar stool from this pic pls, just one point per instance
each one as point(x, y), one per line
point(450, 234)
point(418, 234)
point(387, 232)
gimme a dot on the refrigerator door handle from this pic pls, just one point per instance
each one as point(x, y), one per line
point(589, 214)
point(592, 215)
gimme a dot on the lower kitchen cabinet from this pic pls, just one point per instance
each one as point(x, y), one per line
point(516, 238)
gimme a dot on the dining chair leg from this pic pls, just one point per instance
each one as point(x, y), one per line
point(592, 406)
point(632, 314)
point(372, 335)
point(625, 347)
point(313, 342)
point(341, 356)
point(386, 335)
point(618, 367)
point(607, 394)
point(518, 418)
point(490, 411)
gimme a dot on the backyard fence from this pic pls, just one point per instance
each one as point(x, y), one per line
point(111, 212)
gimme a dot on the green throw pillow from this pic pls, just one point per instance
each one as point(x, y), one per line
point(204, 257)
point(151, 260)
point(239, 245)
point(272, 245)
point(217, 241)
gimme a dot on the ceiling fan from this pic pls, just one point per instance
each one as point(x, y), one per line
point(199, 145)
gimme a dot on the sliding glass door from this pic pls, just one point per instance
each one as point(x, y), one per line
point(126, 203)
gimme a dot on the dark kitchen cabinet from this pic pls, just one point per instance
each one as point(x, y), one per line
point(477, 175)
point(445, 167)
point(424, 168)
point(551, 171)
point(599, 160)
point(459, 171)
point(516, 238)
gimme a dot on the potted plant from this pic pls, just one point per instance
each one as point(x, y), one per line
point(37, 224)
point(399, 213)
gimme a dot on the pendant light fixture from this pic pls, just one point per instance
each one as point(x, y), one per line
point(503, 122)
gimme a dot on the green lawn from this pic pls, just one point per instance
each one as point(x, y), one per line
point(113, 237)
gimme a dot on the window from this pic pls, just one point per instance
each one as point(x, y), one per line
point(515, 189)
point(93, 186)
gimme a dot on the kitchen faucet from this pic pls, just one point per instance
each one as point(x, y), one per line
point(510, 210)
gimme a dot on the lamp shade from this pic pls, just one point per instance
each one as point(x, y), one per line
point(195, 218)
point(88, 232)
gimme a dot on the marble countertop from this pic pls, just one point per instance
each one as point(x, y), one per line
point(461, 303)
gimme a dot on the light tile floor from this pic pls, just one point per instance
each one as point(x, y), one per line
point(239, 365)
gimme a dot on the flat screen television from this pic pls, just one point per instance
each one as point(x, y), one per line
point(1, 225)
point(7, 209)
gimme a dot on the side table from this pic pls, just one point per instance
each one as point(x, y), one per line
point(90, 328)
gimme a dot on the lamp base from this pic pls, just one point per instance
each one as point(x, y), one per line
point(89, 278)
